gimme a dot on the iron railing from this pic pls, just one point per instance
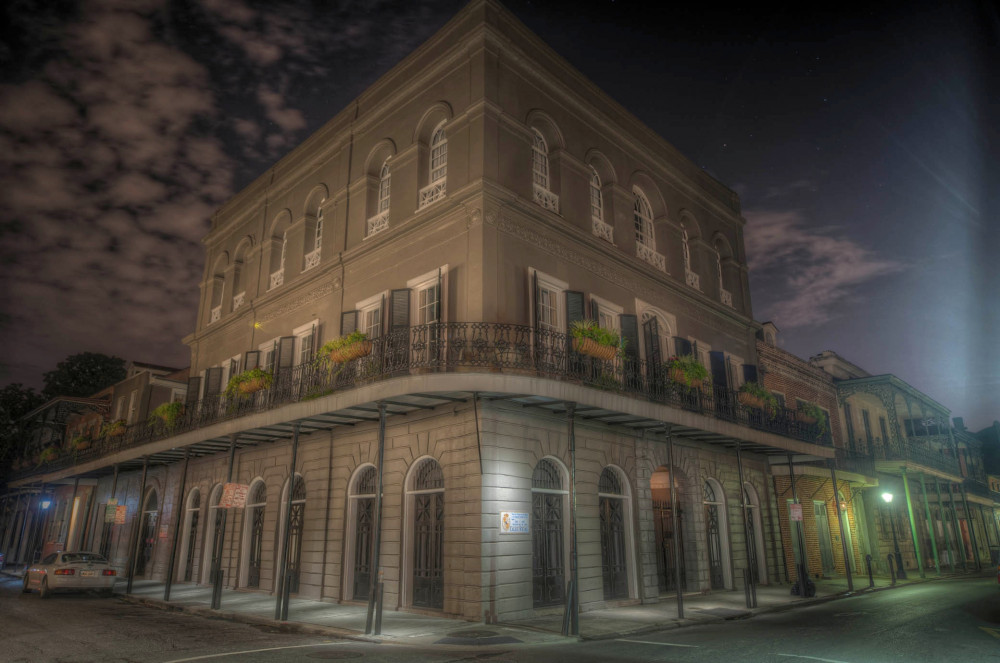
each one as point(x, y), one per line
point(458, 347)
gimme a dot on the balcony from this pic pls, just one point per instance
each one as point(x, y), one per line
point(976, 486)
point(546, 198)
point(603, 230)
point(652, 257)
point(933, 451)
point(726, 297)
point(433, 192)
point(312, 259)
point(239, 299)
point(277, 278)
point(216, 314)
point(377, 224)
point(460, 348)
point(693, 279)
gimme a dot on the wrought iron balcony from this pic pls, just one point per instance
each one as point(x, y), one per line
point(460, 347)
point(852, 461)
point(546, 198)
point(312, 258)
point(934, 451)
point(377, 224)
point(652, 257)
point(603, 230)
point(432, 192)
point(975, 486)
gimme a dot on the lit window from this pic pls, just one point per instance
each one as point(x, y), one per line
point(319, 229)
point(596, 198)
point(439, 154)
point(371, 320)
point(643, 216)
point(540, 161)
point(383, 188)
point(686, 250)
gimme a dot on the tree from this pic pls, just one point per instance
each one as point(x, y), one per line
point(83, 375)
point(15, 402)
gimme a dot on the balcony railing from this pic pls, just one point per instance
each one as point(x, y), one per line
point(693, 279)
point(312, 258)
point(546, 198)
point(603, 230)
point(975, 486)
point(932, 451)
point(277, 278)
point(377, 223)
point(432, 192)
point(852, 461)
point(461, 347)
point(239, 299)
point(652, 257)
point(216, 314)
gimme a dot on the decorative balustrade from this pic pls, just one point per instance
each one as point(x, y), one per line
point(277, 278)
point(460, 347)
point(652, 257)
point(933, 451)
point(432, 192)
point(239, 299)
point(546, 198)
point(377, 223)
point(312, 258)
point(216, 314)
point(603, 230)
point(693, 279)
point(726, 297)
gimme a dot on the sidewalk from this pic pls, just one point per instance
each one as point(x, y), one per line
point(348, 621)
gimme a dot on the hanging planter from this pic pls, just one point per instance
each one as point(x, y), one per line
point(595, 341)
point(346, 348)
point(81, 443)
point(591, 348)
point(687, 370)
point(114, 428)
point(168, 413)
point(249, 382)
point(755, 395)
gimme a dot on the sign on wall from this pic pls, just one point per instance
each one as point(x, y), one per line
point(234, 496)
point(512, 522)
point(110, 510)
point(120, 514)
point(795, 512)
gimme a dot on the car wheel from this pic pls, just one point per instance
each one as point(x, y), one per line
point(44, 590)
point(26, 589)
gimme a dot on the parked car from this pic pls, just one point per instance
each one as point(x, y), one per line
point(70, 571)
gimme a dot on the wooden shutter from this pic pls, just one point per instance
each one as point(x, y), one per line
point(440, 306)
point(749, 373)
point(399, 311)
point(286, 352)
point(213, 381)
point(682, 346)
point(630, 333)
point(251, 360)
point(575, 303)
point(720, 376)
point(651, 332)
point(194, 386)
point(536, 299)
point(348, 322)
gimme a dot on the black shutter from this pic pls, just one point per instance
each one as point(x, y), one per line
point(682, 346)
point(574, 308)
point(213, 381)
point(286, 352)
point(651, 332)
point(536, 299)
point(251, 360)
point(720, 376)
point(749, 373)
point(399, 313)
point(348, 322)
point(595, 311)
point(629, 325)
point(194, 385)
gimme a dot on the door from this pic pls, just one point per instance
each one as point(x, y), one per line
point(666, 562)
point(192, 537)
point(713, 533)
point(823, 533)
point(547, 558)
point(364, 531)
point(256, 546)
point(428, 556)
point(614, 567)
point(148, 533)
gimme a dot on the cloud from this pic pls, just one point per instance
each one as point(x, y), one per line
point(809, 272)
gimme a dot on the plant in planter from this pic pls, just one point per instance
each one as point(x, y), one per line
point(812, 414)
point(345, 348)
point(80, 443)
point(687, 370)
point(48, 455)
point(755, 395)
point(248, 382)
point(114, 428)
point(595, 341)
point(168, 413)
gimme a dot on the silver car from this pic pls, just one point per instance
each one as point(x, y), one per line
point(65, 571)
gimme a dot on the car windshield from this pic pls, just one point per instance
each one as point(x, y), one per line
point(69, 558)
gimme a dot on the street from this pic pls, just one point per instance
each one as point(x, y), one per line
point(946, 620)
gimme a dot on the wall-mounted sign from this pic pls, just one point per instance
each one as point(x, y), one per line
point(795, 511)
point(120, 514)
point(512, 522)
point(110, 510)
point(234, 496)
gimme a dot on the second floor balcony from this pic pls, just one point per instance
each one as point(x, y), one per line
point(443, 348)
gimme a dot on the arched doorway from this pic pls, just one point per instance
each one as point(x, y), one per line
point(845, 514)
point(147, 530)
point(547, 550)
point(613, 508)
point(189, 543)
point(716, 533)
point(361, 514)
point(757, 563)
point(295, 523)
point(426, 496)
point(667, 563)
point(253, 533)
point(213, 530)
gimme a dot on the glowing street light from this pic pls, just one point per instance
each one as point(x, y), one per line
point(900, 573)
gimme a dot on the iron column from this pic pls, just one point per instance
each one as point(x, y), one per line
point(179, 507)
point(284, 596)
point(840, 522)
point(972, 529)
point(377, 534)
point(930, 526)
point(945, 526)
point(801, 568)
point(913, 525)
point(221, 516)
point(673, 523)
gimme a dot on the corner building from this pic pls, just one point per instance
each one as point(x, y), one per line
point(464, 211)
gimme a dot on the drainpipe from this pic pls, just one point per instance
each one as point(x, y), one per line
point(913, 524)
point(930, 526)
point(179, 507)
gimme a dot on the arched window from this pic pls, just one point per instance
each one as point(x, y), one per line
point(755, 539)
point(361, 515)
point(614, 513)
point(716, 533)
point(189, 543)
point(294, 527)
point(539, 161)
point(253, 537)
point(426, 502)
point(548, 544)
point(643, 217)
point(380, 221)
point(596, 197)
point(438, 168)
point(212, 533)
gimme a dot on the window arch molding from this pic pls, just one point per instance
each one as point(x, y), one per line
point(425, 475)
point(276, 248)
point(614, 483)
point(360, 486)
point(240, 257)
point(254, 501)
point(689, 233)
point(313, 222)
point(378, 187)
point(751, 497)
point(211, 508)
point(666, 329)
point(299, 496)
point(724, 264)
point(545, 142)
point(189, 538)
point(217, 281)
point(717, 544)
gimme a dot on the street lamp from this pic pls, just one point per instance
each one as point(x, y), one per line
point(900, 573)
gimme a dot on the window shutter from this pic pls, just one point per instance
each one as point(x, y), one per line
point(536, 298)
point(194, 386)
point(651, 331)
point(574, 308)
point(348, 322)
point(595, 311)
point(213, 381)
point(682, 346)
point(286, 351)
point(440, 306)
point(749, 373)
point(630, 333)
point(720, 376)
point(252, 360)
point(399, 313)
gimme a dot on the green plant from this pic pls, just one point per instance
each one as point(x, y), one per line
point(814, 411)
point(80, 442)
point(249, 381)
point(581, 329)
point(688, 369)
point(759, 392)
point(342, 342)
point(168, 413)
point(113, 428)
point(48, 455)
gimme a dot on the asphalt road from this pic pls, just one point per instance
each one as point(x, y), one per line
point(950, 620)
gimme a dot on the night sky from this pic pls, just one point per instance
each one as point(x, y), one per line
point(864, 147)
